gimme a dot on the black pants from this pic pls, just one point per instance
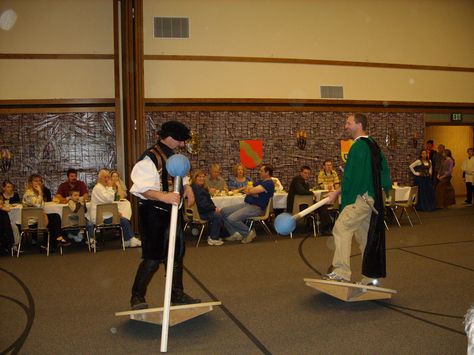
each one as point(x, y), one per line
point(469, 192)
point(6, 231)
point(154, 230)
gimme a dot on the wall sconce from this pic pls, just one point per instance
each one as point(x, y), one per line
point(414, 140)
point(6, 160)
point(193, 145)
point(301, 137)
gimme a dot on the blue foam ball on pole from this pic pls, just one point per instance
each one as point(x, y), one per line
point(178, 165)
point(285, 223)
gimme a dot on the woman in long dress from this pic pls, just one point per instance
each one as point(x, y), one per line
point(444, 189)
point(422, 169)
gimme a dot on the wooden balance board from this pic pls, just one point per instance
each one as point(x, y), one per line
point(350, 292)
point(178, 314)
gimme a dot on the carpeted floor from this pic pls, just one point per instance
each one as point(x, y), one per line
point(66, 304)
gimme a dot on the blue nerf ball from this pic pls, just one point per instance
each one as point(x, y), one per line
point(178, 165)
point(285, 224)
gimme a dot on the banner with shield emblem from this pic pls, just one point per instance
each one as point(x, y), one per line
point(251, 153)
point(345, 147)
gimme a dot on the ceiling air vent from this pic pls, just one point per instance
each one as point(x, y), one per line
point(332, 92)
point(171, 27)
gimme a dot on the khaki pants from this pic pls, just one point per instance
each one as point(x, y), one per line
point(354, 220)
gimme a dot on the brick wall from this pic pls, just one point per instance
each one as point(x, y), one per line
point(49, 144)
point(220, 133)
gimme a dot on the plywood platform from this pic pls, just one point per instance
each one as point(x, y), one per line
point(178, 314)
point(350, 292)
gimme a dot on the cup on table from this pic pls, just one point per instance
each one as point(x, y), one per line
point(395, 184)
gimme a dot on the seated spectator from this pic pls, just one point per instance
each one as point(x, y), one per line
point(75, 204)
point(422, 170)
point(9, 196)
point(36, 195)
point(278, 185)
point(299, 186)
point(238, 181)
point(327, 177)
point(103, 192)
point(254, 205)
point(119, 186)
point(444, 193)
point(214, 182)
point(6, 231)
point(72, 184)
point(206, 208)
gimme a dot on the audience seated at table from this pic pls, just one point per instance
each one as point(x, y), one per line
point(327, 177)
point(206, 208)
point(299, 186)
point(238, 181)
point(214, 182)
point(444, 192)
point(422, 169)
point(36, 195)
point(6, 231)
point(71, 184)
point(9, 195)
point(119, 185)
point(103, 192)
point(254, 205)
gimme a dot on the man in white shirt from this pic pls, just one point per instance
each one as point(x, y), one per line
point(468, 174)
point(104, 192)
point(153, 186)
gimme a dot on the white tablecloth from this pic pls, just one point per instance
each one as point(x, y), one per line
point(125, 208)
point(279, 200)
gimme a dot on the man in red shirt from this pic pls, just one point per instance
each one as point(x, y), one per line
point(72, 184)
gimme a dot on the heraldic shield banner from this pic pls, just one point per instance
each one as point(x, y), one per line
point(251, 153)
point(345, 147)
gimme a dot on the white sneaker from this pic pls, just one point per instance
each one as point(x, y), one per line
point(133, 243)
point(234, 237)
point(214, 241)
point(250, 237)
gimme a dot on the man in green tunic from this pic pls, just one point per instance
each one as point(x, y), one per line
point(361, 194)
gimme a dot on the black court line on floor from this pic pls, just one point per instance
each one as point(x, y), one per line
point(437, 260)
point(29, 310)
point(229, 314)
point(387, 305)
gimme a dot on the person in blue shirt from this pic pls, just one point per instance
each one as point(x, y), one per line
point(254, 205)
point(238, 181)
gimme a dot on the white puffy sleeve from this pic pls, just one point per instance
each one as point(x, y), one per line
point(145, 177)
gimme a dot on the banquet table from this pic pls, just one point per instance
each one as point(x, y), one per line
point(279, 200)
point(124, 206)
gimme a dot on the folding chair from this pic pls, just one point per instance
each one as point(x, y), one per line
point(191, 216)
point(263, 218)
point(104, 212)
point(302, 202)
point(33, 220)
point(69, 223)
point(390, 204)
point(411, 203)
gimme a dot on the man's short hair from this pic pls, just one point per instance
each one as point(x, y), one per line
point(327, 161)
point(71, 171)
point(268, 169)
point(362, 119)
point(430, 141)
point(305, 167)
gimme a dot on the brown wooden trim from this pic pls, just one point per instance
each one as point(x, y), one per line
point(70, 102)
point(210, 58)
point(118, 113)
point(54, 56)
point(19, 110)
point(242, 104)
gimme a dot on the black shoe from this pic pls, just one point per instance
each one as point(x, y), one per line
point(183, 298)
point(138, 303)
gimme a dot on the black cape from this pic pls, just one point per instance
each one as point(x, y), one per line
point(374, 262)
